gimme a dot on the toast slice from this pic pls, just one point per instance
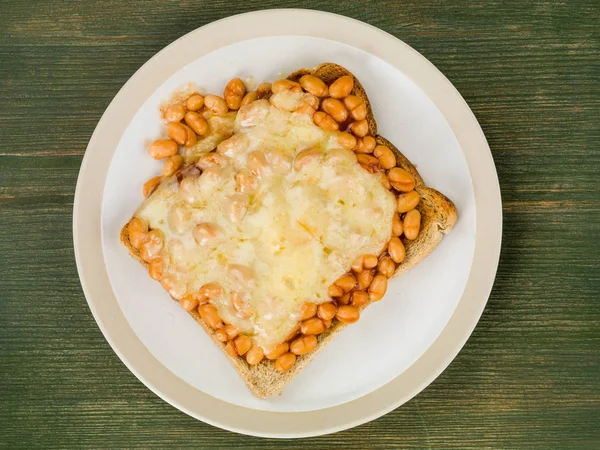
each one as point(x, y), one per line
point(438, 217)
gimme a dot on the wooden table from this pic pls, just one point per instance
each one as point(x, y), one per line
point(529, 377)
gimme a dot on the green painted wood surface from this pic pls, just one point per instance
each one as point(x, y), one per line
point(529, 377)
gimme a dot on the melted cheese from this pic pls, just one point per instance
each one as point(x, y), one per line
point(283, 241)
point(220, 128)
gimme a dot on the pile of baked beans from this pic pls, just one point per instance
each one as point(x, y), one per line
point(333, 108)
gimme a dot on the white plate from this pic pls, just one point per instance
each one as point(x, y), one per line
point(393, 333)
point(400, 344)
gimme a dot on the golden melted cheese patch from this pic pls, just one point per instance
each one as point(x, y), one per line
point(279, 213)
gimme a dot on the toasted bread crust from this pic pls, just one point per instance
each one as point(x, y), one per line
point(438, 217)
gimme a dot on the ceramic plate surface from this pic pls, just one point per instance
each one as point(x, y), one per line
point(401, 343)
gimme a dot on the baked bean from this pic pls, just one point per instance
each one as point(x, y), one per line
point(174, 287)
point(364, 278)
point(401, 180)
point(325, 121)
point(177, 132)
point(242, 344)
point(311, 100)
point(335, 109)
point(305, 157)
point(285, 85)
point(344, 299)
point(196, 122)
point(285, 102)
point(234, 102)
point(370, 261)
point(342, 154)
point(258, 164)
point(230, 349)
point(366, 145)
point(189, 302)
point(359, 113)
point(192, 139)
point(292, 334)
point(212, 159)
point(306, 109)
point(348, 314)
point(216, 105)
point(386, 156)
point(346, 283)
point(396, 249)
point(412, 224)
point(359, 128)
point(341, 87)
point(309, 309)
point(397, 227)
point(240, 303)
point(237, 206)
point(245, 181)
point(326, 311)
point(360, 298)
point(151, 245)
point(289, 103)
point(250, 116)
point(386, 266)
point(357, 264)
point(368, 162)
point(312, 326)
point(384, 181)
point(194, 102)
point(155, 268)
point(313, 85)
point(171, 165)
point(174, 113)
point(308, 105)
point(169, 284)
point(378, 287)
point(235, 87)
point(209, 314)
point(236, 145)
point(249, 98)
point(243, 275)
point(230, 331)
point(335, 291)
point(407, 201)
point(346, 140)
point(210, 291)
point(205, 232)
point(285, 362)
point(221, 335)
point(277, 351)
point(163, 148)
point(150, 186)
point(137, 229)
point(255, 355)
point(303, 345)
point(263, 89)
point(352, 101)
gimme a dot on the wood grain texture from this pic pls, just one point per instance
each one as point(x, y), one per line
point(529, 377)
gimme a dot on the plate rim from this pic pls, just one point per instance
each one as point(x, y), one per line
point(90, 185)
